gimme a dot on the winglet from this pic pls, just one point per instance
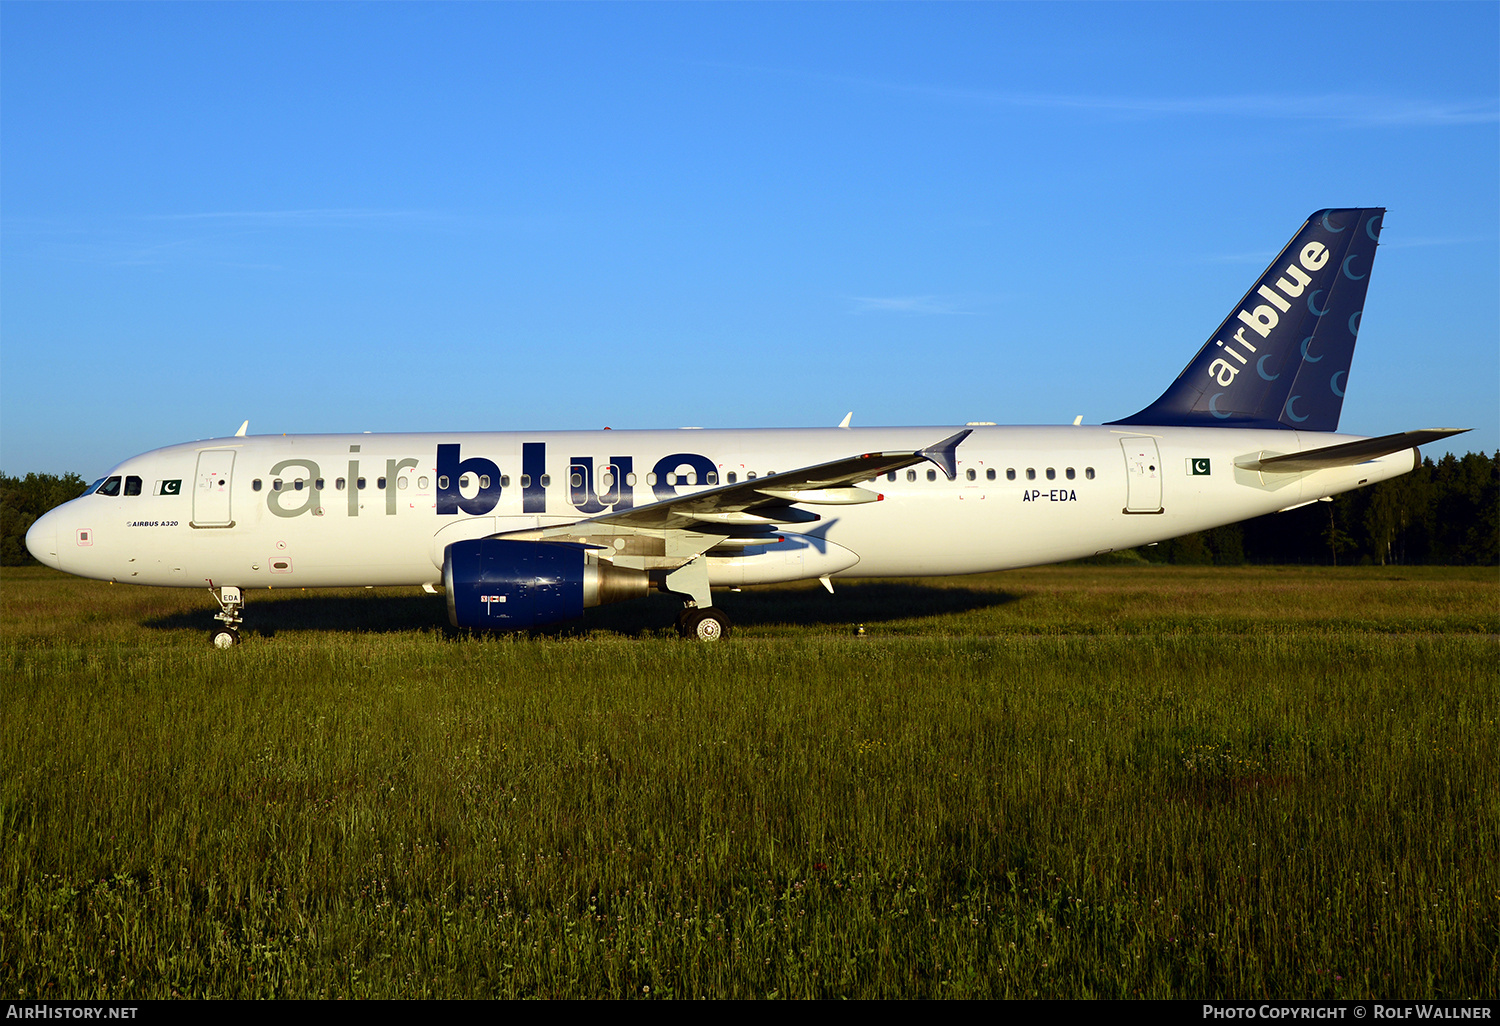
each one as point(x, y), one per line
point(943, 453)
point(847, 418)
point(243, 428)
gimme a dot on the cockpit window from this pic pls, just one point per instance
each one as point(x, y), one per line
point(111, 486)
point(132, 485)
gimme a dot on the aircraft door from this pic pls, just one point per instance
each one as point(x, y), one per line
point(1142, 475)
point(211, 490)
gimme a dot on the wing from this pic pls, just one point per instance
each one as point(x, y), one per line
point(674, 530)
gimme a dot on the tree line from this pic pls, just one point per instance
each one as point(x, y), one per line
point(1446, 512)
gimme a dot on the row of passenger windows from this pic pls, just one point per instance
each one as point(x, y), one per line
point(1010, 474)
point(132, 484)
point(606, 481)
point(339, 483)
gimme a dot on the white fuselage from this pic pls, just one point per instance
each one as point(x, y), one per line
point(289, 511)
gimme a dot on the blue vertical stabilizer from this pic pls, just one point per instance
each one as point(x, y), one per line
point(1281, 358)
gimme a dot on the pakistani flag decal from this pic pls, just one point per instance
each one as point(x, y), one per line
point(1197, 467)
point(169, 487)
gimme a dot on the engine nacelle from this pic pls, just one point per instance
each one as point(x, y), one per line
point(499, 584)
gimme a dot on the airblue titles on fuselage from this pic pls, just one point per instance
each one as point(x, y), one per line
point(611, 487)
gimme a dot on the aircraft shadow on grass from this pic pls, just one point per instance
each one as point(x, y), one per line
point(864, 603)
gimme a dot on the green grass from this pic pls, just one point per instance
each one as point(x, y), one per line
point(1112, 782)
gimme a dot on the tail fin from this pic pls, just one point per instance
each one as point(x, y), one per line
point(1281, 358)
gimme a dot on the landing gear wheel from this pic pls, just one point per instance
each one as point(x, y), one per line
point(709, 624)
point(223, 637)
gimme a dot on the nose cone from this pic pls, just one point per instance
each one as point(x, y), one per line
point(41, 541)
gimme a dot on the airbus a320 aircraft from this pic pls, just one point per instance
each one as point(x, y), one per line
point(530, 528)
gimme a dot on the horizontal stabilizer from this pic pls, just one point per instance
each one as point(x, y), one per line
point(1347, 454)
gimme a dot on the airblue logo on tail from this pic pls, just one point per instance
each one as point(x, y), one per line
point(1281, 358)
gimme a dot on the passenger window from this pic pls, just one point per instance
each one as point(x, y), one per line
point(504, 480)
point(630, 480)
point(463, 482)
point(380, 483)
point(297, 485)
point(1010, 474)
point(109, 487)
point(401, 482)
point(932, 475)
point(484, 481)
point(749, 475)
point(276, 485)
point(360, 484)
point(526, 481)
point(546, 480)
point(443, 482)
point(911, 475)
point(1088, 472)
point(132, 485)
point(421, 484)
point(1070, 473)
point(575, 481)
point(971, 474)
point(989, 475)
point(255, 485)
point(339, 483)
point(891, 476)
point(713, 477)
point(1031, 473)
point(1051, 474)
point(318, 484)
point(732, 477)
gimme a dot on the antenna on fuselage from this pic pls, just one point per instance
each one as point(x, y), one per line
point(243, 428)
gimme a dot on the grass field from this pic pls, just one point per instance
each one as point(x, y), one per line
point(1070, 782)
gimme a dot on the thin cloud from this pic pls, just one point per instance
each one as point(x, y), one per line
point(304, 218)
point(907, 305)
point(1344, 108)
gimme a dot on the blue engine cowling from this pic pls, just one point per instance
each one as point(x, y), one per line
point(500, 584)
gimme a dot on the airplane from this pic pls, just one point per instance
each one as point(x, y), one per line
point(524, 529)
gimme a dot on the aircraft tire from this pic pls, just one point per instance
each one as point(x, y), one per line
point(709, 624)
point(223, 637)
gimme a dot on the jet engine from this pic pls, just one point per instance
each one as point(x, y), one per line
point(500, 584)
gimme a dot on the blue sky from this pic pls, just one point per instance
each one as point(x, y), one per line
point(393, 217)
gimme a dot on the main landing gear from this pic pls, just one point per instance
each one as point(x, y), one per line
point(699, 618)
point(706, 624)
point(231, 602)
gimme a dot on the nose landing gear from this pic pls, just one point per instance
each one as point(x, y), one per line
point(231, 602)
